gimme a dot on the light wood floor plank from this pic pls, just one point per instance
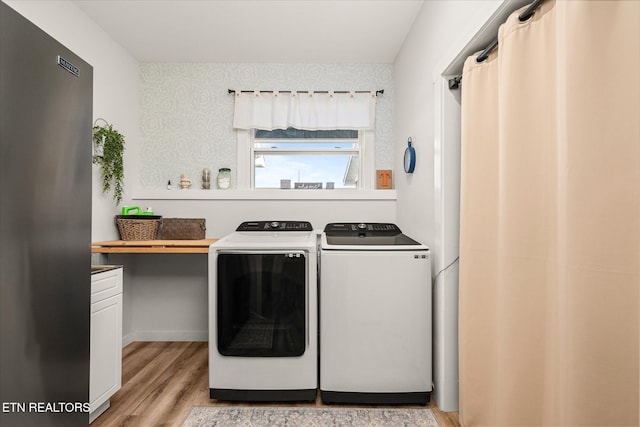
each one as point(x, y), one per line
point(162, 381)
point(174, 395)
point(145, 374)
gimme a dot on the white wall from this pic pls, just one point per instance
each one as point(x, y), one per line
point(115, 85)
point(438, 25)
point(186, 112)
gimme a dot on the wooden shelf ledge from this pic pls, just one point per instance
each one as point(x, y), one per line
point(153, 246)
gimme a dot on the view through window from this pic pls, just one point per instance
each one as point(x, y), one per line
point(294, 158)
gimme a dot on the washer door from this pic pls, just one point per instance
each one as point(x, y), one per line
point(261, 301)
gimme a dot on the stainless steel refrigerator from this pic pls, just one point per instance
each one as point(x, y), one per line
point(45, 227)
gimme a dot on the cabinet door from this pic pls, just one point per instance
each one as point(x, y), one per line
point(105, 372)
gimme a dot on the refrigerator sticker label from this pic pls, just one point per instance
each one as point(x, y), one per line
point(68, 66)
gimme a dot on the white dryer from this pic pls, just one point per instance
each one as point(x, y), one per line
point(263, 313)
point(375, 316)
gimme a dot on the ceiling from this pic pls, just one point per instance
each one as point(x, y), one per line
point(268, 31)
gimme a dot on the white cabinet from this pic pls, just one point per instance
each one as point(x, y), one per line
point(105, 370)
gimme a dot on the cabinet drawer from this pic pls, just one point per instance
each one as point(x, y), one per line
point(106, 284)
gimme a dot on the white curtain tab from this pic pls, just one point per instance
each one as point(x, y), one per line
point(307, 111)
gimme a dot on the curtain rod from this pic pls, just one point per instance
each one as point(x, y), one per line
point(378, 92)
point(524, 16)
point(454, 83)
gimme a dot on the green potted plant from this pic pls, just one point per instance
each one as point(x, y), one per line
point(109, 148)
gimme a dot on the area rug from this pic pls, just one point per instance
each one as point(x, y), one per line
point(207, 416)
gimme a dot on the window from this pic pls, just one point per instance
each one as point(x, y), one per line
point(306, 159)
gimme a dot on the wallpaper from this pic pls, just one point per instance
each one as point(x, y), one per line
point(186, 111)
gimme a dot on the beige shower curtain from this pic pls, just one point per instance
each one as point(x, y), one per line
point(550, 220)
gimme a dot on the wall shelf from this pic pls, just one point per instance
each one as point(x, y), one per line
point(291, 194)
point(153, 246)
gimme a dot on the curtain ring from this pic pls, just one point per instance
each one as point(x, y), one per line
point(524, 18)
point(275, 93)
point(330, 94)
point(352, 94)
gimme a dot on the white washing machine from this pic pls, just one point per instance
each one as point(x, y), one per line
point(375, 316)
point(263, 313)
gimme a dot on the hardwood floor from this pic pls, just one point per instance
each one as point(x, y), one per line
point(162, 381)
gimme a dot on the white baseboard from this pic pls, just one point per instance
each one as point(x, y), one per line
point(200, 336)
point(128, 339)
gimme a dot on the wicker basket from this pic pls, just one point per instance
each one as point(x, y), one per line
point(183, 228)
point(138, 227)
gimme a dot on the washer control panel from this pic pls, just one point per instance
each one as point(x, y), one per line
point(366, 234)
point(275, 226)
point(349, 228)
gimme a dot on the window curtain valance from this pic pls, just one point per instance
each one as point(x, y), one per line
point(302, 110)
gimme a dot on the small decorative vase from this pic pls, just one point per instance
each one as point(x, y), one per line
point(185, 183)
point(206, 178)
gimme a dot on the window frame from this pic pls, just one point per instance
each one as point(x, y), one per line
point(246, 160)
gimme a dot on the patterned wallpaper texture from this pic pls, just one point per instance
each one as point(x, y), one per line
point(186, 111)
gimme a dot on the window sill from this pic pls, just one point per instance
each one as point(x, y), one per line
point(291, 194)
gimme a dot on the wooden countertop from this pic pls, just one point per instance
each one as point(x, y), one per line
point(153, 246)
